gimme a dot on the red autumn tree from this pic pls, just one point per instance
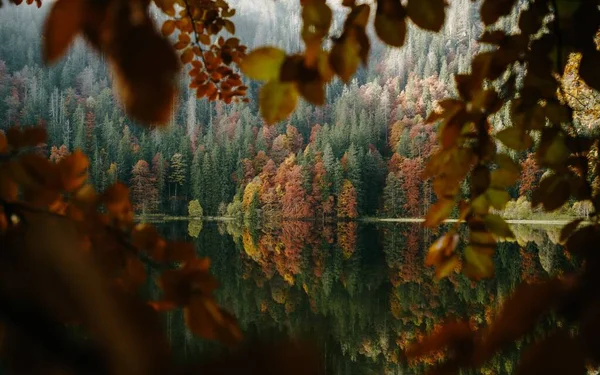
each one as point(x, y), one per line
point(270, 201)
point(394, 163)
point(56, 153)
point(530, 175)
point(314, 133)
point(90, 124)
point(294, 203)
point(347, 203)
point(143, 187)
point(411, 170)
point(293, 139)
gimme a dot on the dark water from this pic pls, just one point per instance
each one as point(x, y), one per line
point(359, 293)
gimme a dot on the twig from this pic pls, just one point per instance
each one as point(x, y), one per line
point(197, 38)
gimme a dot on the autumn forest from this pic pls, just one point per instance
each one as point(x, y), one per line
point(299, 187)
point(361, 154)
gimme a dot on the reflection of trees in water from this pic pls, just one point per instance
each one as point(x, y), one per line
point(361, 292)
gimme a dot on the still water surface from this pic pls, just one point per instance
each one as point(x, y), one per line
point(359, 292)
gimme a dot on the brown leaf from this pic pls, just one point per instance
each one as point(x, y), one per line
point(180, 252)
point(492, 10)
point(390, 22)
point(520, 312)
point(345, 57)
point(206, 319)
point(588, 70)
point(553, 192)
point(556, 354)
point(590, 331)
point(582, 241)
point(3, 143)
point(568, 229)
point(449, 335)
point(116, 200)
point(145, 64)
point(34, 136)
point(63, 23)
point(136, 271)
point(427, 14)
point(495, 37)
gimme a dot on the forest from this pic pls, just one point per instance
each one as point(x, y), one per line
point(286, 136)
point(361, 154)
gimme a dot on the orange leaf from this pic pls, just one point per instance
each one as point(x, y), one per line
point(187, 56)
point(73, 170)
point(168, 27)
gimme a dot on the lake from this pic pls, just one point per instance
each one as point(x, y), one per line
point(359, 292)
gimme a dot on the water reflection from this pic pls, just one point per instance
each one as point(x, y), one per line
point(360, 292)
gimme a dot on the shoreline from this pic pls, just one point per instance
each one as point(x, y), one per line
point(158, 217)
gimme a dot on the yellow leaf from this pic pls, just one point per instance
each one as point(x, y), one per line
point(552, 151)
point(263, 63)
point(390, 23)
point(515, 138)
point(497, 198)
point(277, 101)
point(498, 226)
point(478, 263)
point(480, 205)
point(427, 14)
point(64, 22)
point(503, 178)
point(317, 18)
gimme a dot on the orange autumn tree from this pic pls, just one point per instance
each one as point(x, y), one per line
point(521, 70)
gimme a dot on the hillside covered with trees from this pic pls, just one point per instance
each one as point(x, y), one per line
point(361, 154)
